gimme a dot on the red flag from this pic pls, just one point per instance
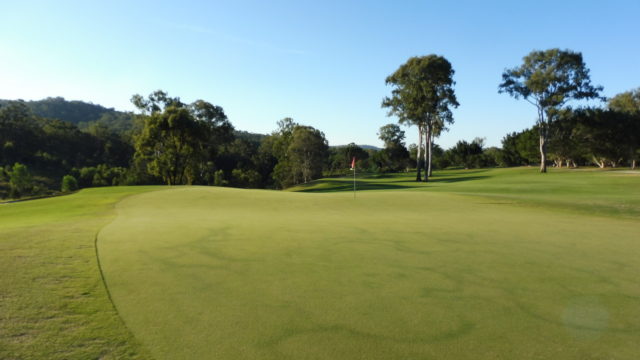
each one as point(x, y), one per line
point(353, 163)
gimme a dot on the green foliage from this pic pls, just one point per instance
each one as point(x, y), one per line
point(301, 153)
point(391, 135)
point(395, 156)
point(179, 140)
point(79, 113)
point(548, 80)
point(423, 95)
point(19, 133)
point(102, 175)
point(245, 178)
point(306, 153)
point(423, 91)
point(509, 156)
point(20, 181)
point(340, 157)
point(219, 179)
point(69, 184)
point(605, 135)
point(626, 102)
point(627, 105)
point(469, 155)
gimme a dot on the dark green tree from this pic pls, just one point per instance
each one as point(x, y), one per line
point(509, 156)
point(467, 154)
point(69, 184)
point(178, 141)
point(396, 155)
point(603, 134)
point(20, 181)
point(548, 80)
point(173, 145)
point(628, 103)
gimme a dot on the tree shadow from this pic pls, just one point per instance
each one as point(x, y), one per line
point(389, 182)
point(457, 179)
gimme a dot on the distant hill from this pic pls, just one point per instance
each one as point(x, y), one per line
point(366, 147)
point(249, 136)
point(80, 113)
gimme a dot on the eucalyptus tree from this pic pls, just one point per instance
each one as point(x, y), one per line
point(307, 151)
point(178, 140)
point(548, 80)
point(423, 95)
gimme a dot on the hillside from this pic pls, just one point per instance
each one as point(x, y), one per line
point(80, 113)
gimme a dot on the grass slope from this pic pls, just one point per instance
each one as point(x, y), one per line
point(589, 191)
point(496, 264)
point(53, 303)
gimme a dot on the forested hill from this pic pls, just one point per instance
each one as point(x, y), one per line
point(79, 113)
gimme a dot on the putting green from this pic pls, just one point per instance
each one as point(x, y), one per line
point(216, 273)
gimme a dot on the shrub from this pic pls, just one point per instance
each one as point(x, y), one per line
point(218, 179)
point(69, 184)
point(20, 181)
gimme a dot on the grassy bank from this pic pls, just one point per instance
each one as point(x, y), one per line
point(53, 303)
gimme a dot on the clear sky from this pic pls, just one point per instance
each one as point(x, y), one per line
point(321, 62)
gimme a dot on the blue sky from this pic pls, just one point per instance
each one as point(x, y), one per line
point(321, 62)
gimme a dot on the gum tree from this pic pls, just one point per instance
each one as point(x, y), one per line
point(548, 80)
point(423, 95)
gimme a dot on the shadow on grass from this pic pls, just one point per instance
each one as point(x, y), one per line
point(384, 182)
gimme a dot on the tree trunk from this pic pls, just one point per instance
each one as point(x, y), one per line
point(543, 153)
point(633, 164)
point(601, 164)
point(425, 154)
point(418, 177)
point(542, 130)
point(430, 172)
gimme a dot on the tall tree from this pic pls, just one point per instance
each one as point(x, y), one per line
point(177, 139)
point(548, 80)
point(423, 95)
point(307, 151)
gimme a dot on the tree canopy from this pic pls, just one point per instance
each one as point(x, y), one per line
point(423, 95)
point(548, 80)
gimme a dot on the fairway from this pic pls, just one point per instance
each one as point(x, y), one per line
point(500, 264)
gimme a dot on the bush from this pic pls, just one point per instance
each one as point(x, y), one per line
point(245, 178)
point(20, 181)
point(218, 179)
point(69, 184)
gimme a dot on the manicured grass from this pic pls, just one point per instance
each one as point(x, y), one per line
point(53, 303)
point(486, 264)
point(589, 191)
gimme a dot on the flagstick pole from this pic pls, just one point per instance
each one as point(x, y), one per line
point(354, 183)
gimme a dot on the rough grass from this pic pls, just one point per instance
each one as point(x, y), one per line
point(489, 264)
point(53, 303)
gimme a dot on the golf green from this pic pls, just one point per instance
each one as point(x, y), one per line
point(450, 270)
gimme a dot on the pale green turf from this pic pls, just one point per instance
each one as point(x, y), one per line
point(496, 264)
point(53, 303)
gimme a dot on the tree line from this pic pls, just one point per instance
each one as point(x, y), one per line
point(171, 142)
point(423, 96)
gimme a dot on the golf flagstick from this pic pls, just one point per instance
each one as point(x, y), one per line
point(353, 167)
